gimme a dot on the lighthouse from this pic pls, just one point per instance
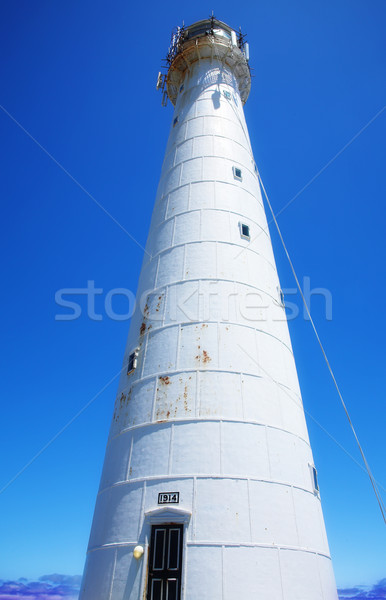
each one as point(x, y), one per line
point(209, 489)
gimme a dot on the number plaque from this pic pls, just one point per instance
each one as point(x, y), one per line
point(168, 497)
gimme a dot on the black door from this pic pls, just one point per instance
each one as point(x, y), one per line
point(165, 562)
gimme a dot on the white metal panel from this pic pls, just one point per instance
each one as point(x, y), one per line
point(187, 228)
point(215, 226)
point(222, 510)
point(134, 406)
point(244, 450)
point(220, 395)
point(198, 346)
point(286, 454)
point(175, 396)
point(272, 515)
point(170, 266)
point(307, 507)
point(200, 260)
point(201, 581)
point(123, 514)
point(190, 457)
point(251, 573)
point(128, 575)
point(260, 401)
point(116, 460)
point(184, 151)
point(178, 201)
point(150, 454)
point(191, 170)
point(98, 574)
point(202, 194)
point(300, 577)
point(326, 575)
point(182, 302)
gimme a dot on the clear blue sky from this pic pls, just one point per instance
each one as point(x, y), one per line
point(80, 78)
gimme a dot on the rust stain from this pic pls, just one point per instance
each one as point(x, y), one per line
point(165, 380)
point(204, 325)
point(158, 303)
point(131, 471)
point(206, 357)
point(142, 328)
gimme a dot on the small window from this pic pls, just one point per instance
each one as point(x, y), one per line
point(255, 167)
point(281, 297)
point(175, 121)
point(314, 474)
point(227, 94)
point(181, 88)
point(245, 231)
point(133, 360)
point(237, 173)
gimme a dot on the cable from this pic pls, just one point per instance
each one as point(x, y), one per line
point(372, 480)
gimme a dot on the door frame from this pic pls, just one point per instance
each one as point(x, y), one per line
point(165, 515)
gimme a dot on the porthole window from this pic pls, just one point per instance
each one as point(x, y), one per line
point(227, 94)
point(244, 230)
point(237, 173)
point(133, 360)
point(175, 121)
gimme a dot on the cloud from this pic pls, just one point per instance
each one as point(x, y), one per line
point(376, 592)
point(48, 587)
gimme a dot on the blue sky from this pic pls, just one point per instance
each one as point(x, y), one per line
point(80, 79)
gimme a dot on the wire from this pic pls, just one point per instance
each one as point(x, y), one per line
point(372, 480)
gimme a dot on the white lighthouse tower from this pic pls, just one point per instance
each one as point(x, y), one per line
point(209, 489)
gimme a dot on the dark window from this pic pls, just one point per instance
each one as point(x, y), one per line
point(132, 364)
point(245, 231)
point(315, 479)
point(165, 562)
point(175, 121)
point(237, 173)
point(181, 88)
